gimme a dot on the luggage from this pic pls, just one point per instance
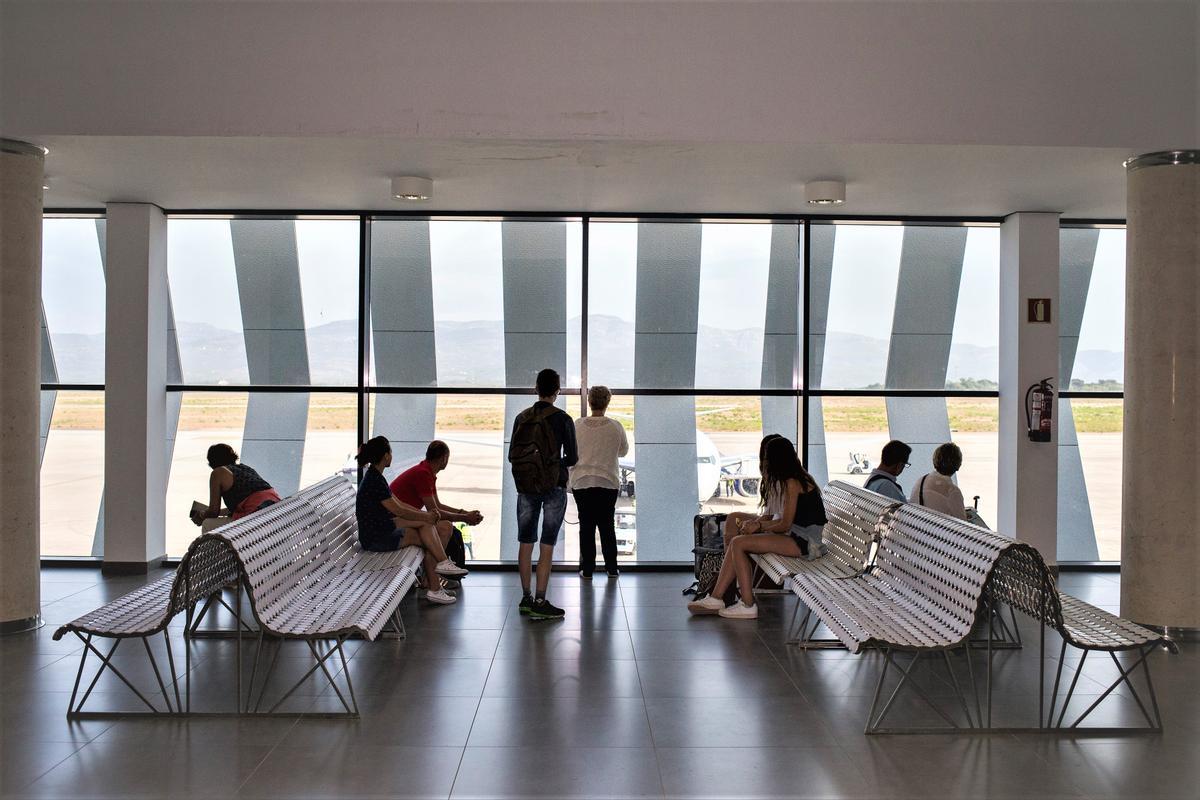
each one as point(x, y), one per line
point(456, 551)
point(707, 552)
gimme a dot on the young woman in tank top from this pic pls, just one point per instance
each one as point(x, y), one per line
point(794, 530)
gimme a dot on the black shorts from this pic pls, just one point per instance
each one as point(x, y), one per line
point(383, 543)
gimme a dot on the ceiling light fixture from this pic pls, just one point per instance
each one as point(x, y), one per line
point(825, 193)
point(412, 188)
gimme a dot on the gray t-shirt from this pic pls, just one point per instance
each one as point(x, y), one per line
point(885, 484)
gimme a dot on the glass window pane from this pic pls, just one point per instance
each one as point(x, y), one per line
point(612, 302)
point(331, 437)
point(975, 428)
point(1100, 359)
point(856, 429)
point(862, 302)
point(1089, 483)
point(473, 426)
point(328, 260)
point(474, 303)
point(975, 346)
point(72, 473)
point(468, 302)
point(1099, 426)
point(734, 270)
point(205, 419)
point(206, 302)
point(73, 300)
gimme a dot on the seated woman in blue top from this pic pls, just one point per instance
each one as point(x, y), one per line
point(385, 523)
point(794, 530)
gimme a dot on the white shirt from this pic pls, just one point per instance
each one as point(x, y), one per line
point(601, 441)
point(940, 494)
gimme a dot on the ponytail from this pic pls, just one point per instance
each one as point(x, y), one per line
point(373, 450)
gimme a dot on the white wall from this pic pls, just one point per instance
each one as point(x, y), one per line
point(1061, 74)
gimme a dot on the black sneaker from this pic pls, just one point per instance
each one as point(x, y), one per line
point(613, 573)
point(525, 604)
point(541, 609)
point(587, 576)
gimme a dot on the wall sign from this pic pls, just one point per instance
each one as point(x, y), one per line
point(1039, 309)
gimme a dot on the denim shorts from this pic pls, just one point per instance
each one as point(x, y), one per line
point(552, 506)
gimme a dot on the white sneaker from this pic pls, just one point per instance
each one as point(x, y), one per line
point(740, 610)
point(707, 605)
point(448, 569)
point(441, 597)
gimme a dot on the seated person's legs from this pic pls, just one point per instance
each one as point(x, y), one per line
point(732, 522)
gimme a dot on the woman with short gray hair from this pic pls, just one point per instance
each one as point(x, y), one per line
point(595, 481)
point(936, 490)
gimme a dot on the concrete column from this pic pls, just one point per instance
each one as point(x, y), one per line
point(1160, 545)
point(135, 379)
point(1028, 482)
point(20, 396)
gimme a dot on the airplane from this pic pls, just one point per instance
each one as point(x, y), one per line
point(713, 470)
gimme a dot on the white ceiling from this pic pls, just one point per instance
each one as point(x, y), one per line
point(352, 173)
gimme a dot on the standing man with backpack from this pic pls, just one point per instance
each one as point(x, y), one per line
point(541, 450)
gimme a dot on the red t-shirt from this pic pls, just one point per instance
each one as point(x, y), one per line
point(415, 484)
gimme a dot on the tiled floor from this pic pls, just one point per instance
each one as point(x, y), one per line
point(627, 697)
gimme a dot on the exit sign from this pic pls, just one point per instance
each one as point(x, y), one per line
point(1039, 309)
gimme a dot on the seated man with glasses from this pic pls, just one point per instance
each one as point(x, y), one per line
point(892, 462)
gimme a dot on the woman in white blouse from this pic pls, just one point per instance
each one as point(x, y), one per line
point(595, 480)
point(936, 490)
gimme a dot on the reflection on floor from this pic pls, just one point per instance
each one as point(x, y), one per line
point(627, 696)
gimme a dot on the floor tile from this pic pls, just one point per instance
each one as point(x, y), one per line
point(751, 772)
point(752, 721)
point(511, 677)
point(509, 772)
point(715, 678)
point(561, 722)
point(347, 770)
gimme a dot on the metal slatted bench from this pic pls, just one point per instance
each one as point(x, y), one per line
point(931, 581)
point(145, 612)
point(304, 575)
point(1020, 583)
point(854, 514)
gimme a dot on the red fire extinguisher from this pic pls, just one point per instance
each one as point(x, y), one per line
point(1039, 410)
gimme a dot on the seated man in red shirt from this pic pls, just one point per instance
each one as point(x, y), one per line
point(417, 486)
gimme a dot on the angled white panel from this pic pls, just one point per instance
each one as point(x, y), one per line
point(273, 442)
point(821, 240)
point(268, 276)
point(931, 261)
point(781, 337)
point(535, 333)
point(1076, 529)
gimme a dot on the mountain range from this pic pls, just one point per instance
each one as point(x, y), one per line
point(472, 353)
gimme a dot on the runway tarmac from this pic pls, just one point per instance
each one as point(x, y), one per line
point(72, 481)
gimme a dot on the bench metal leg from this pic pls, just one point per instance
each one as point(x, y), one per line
point(805, 638)
point(157, 675)
point(106, 663)
point(1154, 723)
point(267, 676)
point(253, 672)
point(171, 665)
point(873, 721)
point(321, 659)
point(396, 629)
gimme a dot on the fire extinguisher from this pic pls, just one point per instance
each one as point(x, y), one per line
point(1039, 410)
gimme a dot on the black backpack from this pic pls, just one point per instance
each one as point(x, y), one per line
point(534, 451)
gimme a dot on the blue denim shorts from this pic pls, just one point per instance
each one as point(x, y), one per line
point(552, 506)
